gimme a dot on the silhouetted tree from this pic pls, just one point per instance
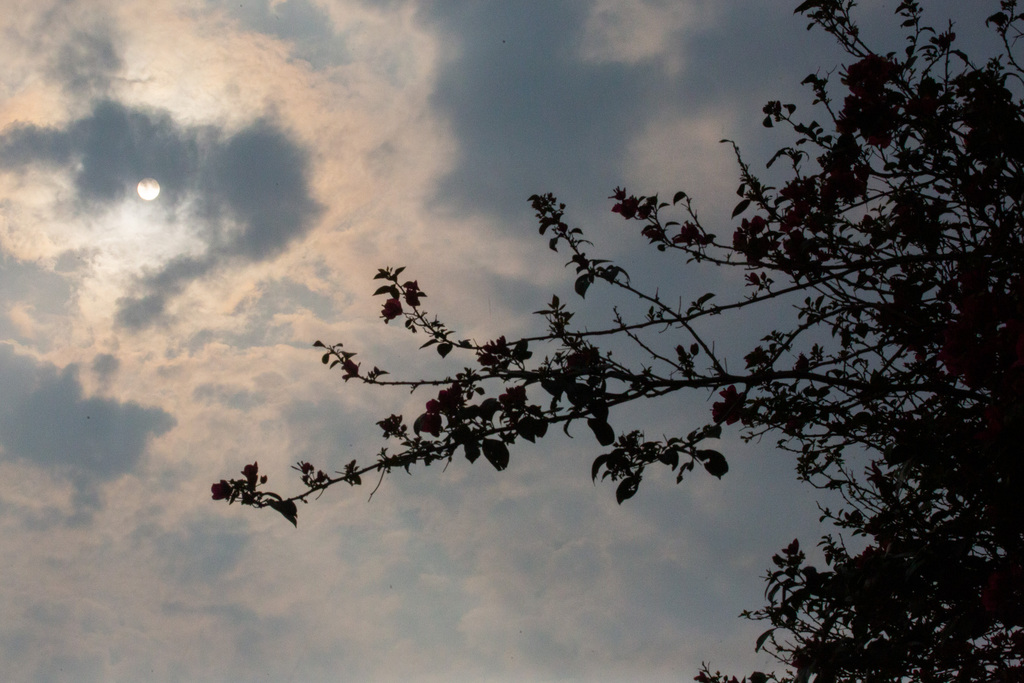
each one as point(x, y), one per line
point(897, 238)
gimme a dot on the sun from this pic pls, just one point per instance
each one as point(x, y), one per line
point(149, 189)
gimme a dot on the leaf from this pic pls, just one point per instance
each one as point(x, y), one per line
point(326, 358)
point(599, 461)
point(678, 197)
point(318, 343)
point(714, 462)
point(999, 19)
point(761, 639)
point(522, 352)
point(582, 283)
point(472, 449)
point(627, 489)
point(670, 457)
point(602, 430)
point(530, 428)
point(803, 7)
point(386, 289)
point(287, 509)
point(496, 453)
point(740, 208)
point(444, 349)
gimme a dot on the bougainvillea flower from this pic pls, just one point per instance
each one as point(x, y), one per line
point(221, 490)
point(392, 309)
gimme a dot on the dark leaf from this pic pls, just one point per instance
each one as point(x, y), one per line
point(582, 283)
point(740, 208)
point(444, 349)
point(496, 453)
point(522, 352)
point(326, 358)
point(627, 489)
point(318, 343)
point(761, 639)
point(489, 407)
point(714, 462)
point(602, 430)
point(472, 449)
point(287, 509)
point(670, 457)
point(999, 19)
point(599, 461)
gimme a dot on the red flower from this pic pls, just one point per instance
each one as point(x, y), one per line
point(221, 490)
point(513, 397)
point(728, 410)
point(627, 208)
point(449, 400)
point(1004, 590)
point(392, 309)
point(431, 422)
point(583, 359)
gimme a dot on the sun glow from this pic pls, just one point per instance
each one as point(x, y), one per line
point(149, 189)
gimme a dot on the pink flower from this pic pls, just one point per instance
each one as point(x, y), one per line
point(392, 309)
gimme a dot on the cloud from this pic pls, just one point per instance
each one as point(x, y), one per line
point(246, 193)
point(529, 114)
point(45, 420)
point(110, 150)
point(301, 23)
point(87, 62)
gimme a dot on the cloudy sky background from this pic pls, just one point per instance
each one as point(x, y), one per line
point(148, 349)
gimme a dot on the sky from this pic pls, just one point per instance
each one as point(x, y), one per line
point(150, 348)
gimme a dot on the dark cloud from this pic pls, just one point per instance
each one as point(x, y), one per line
point(39, 290)
point(531, 115)
point(301, 23)
point(528, 114)
point(251, 190)
point(46, 420)
point(105, 366)
point(110, 150)
point(87, 63)
point(260, 177)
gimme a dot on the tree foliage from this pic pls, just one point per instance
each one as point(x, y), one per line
point(897, 237)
